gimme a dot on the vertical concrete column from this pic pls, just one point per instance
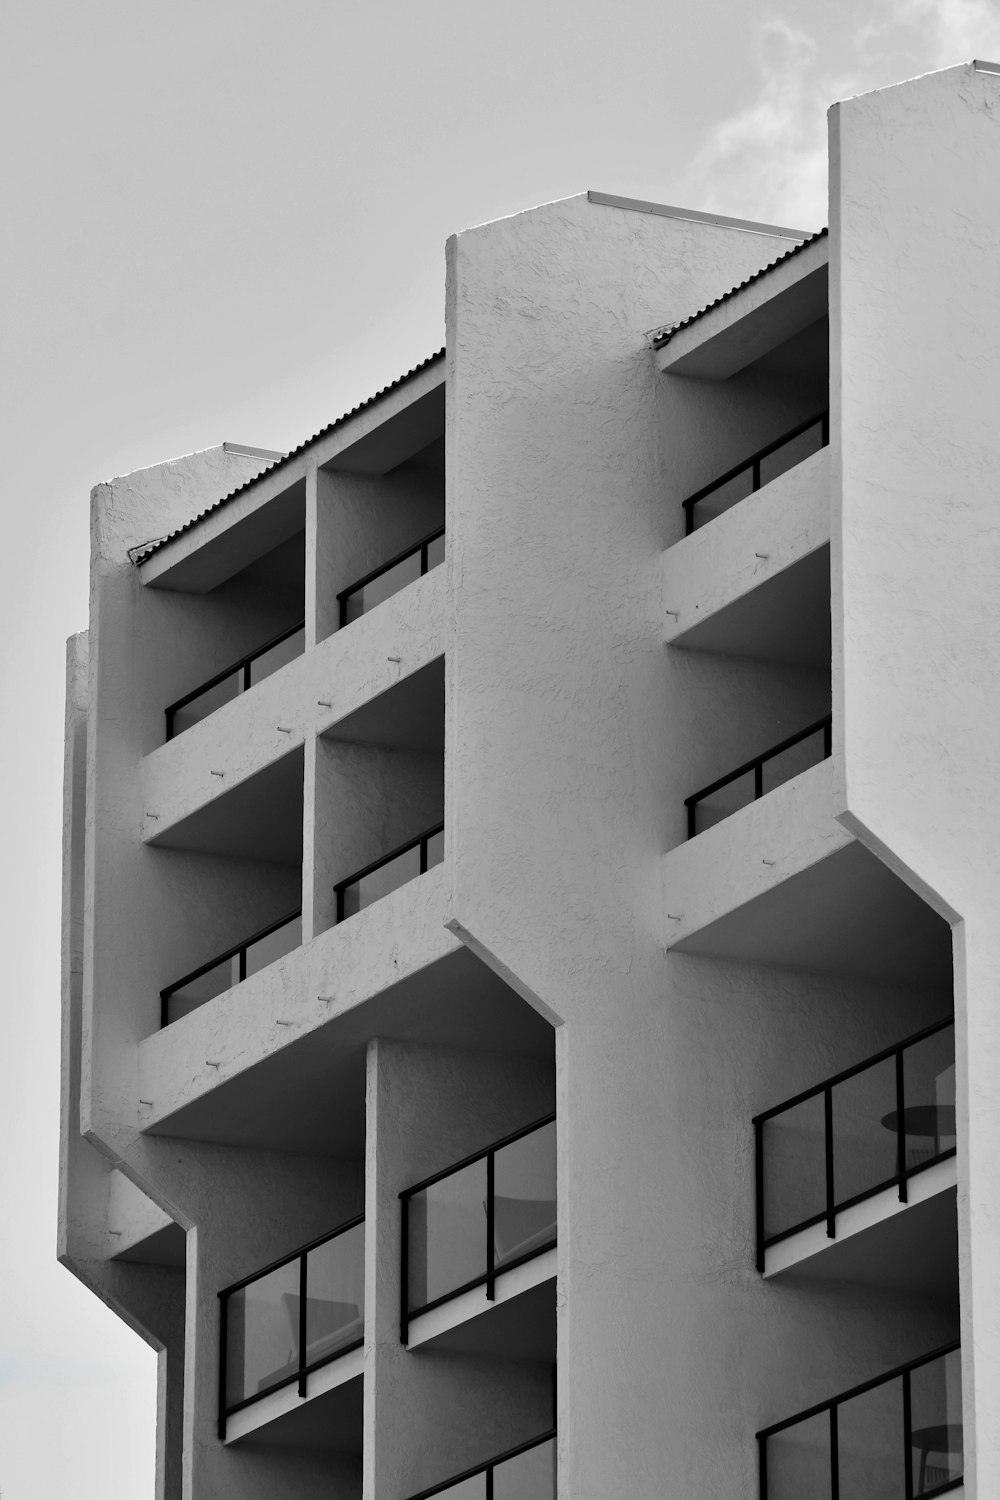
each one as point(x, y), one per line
point(312, 551)
point(428, 1413)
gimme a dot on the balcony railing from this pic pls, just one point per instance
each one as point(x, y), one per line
point(757, 470)
point(527, 1472)
point(382, 582)
point(465, 1225)
point(237, 679)
point(755, 778)
point(287, 1320)
point(388, 873)
point(872, 1126)
point(232, 967)
point(900, 1434)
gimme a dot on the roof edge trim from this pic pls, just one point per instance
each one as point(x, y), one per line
point(665, 210)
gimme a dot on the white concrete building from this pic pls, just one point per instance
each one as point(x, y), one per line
point(590, 740)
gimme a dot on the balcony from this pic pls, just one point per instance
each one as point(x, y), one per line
point(755, 778)
point(231, 968)
point(468, 1226)
point(752, 473)
point(291, 1319)
point(900, 1434)
point(234, 680)
point(527, 1472)
point(872, 1128)
point(380, 584)
point(378, 879)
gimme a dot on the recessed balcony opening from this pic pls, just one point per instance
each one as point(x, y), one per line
point(747, 726)
point(526, 1472)
point(899, 1434)
point(230, 889)
point(871, 1138)
point(380, 797)
point(472, 1227)
point(296, 1326)
point(380, 529)
point(216, 645)
point(309, 1096)
point(848, 915)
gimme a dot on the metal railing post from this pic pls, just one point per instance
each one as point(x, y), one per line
point(907, 1438)
point(490, 1223)
point(404, 1271)
point(831, 1212)
point(223, 1360)
point(834, 1454)
point(900, 1127)
point(758, 1140)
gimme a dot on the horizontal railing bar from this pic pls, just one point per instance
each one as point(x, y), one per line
point(857, 1390)
point(491, 1463)
point(385, 859)
point(754, 458)
point(759, 760)
point(296, 1375)
point(467, 1161)
point(284, 1260)
point(424, 541)
point(852, 1072)
point(237, 666)
point(470, 1286)
point(841, 1206)
point(221, 958)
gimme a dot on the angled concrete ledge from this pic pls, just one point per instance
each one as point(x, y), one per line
point(286, 1401)
point(752, 852)
point(305, 698)
point(474, 1303)
point(873, 1234)
point(754, 319)
point(713, 578)
point(312, 988)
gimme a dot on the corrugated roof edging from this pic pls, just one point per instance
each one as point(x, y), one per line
point(146, 549)
point(660, 336)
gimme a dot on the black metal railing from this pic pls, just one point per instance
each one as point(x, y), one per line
point(866, 1129)
point(236, 679)
point(291, 1317)
point(384, 581)
point(527, 1471)
point(873, 1439)
point(389, 872)
point(232, 967)
point(766, 775)
point(754, 472)
point(481, 1216)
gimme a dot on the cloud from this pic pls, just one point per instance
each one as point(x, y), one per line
point(768, 160)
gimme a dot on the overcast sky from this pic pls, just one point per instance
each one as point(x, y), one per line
point(226, 220)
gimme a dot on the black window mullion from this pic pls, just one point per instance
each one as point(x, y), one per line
point(490, 1216)
point(303, 1294)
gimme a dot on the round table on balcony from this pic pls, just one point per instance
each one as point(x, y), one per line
point(923, 1119)
point(943, 1437)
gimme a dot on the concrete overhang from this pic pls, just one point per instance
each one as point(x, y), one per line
point(520, 1321)
point(268, 510)
point(759, 316)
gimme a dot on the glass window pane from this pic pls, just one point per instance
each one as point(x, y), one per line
point(870, 1444)
point(207, 702)
point(864, 1131)
point(524, 1201)
point(447, 1234)
point(798, 1461)
point(335, 1295)
point(282, 940)
point(791, 453)
point(262, 1333)
point(467, 1489)
point(277, 656)
point(794, 1167)
point(936, 1422)
point(929, 1095)
point(380, 882)
point(435, 849)
point(529, 1476)
point(728, 799)
point(214, 981)
point(797, 758)
point(724, 498)
point(435, 552)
